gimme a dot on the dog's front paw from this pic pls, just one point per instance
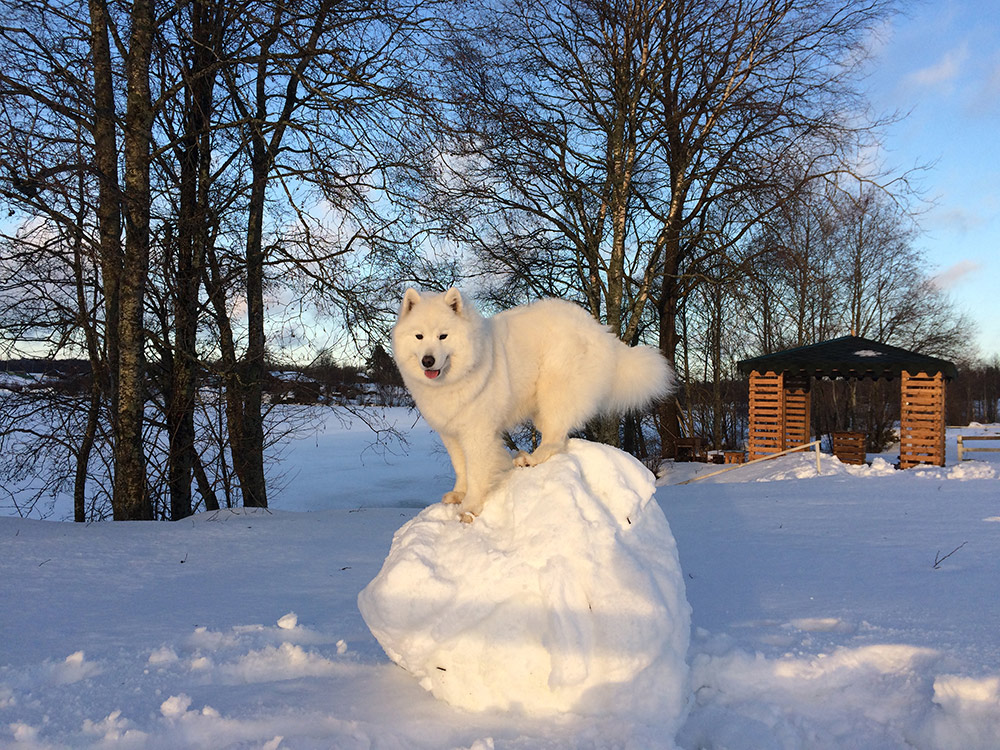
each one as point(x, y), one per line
point(454, 497)
point(471, 507)
point(523, 459)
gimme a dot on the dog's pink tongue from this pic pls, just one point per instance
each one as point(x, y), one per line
point(432, 373)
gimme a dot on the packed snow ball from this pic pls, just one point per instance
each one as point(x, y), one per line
point(566, 595)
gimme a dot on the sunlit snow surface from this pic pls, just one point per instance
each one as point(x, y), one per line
point(856, 609)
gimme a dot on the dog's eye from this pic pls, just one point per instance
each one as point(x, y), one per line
point(443, 336)
point(420, 337)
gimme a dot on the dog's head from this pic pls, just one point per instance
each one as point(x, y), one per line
point(436, 338)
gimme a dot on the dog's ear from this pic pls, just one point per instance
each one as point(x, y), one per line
point(411, 298)
point(453, 298)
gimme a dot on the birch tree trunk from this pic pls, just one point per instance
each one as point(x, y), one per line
point(130, 500)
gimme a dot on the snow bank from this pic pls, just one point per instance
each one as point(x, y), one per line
point(885, 696)
point(565, 595)
point(964, 471)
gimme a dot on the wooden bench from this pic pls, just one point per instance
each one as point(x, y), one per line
point(962, 450)
point(849, 447)
point(734, 457)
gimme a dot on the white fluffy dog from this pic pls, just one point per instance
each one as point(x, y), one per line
point(550, 362)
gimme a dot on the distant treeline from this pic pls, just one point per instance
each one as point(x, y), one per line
point(65, 367)
point(323, 381)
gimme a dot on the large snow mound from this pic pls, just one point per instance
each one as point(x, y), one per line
point(565, 595)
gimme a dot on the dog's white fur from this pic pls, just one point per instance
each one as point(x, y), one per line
point(550, 362)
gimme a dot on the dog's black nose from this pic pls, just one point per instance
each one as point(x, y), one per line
point(427, 362)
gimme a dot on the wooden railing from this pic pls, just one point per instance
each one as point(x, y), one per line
point(962, 450)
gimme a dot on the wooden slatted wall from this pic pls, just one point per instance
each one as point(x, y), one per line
point(849, 447)
point(767, 414)
point(921, 429)
point(797, 405)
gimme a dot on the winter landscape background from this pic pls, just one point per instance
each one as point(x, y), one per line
point(210, 214)
point(857, 609)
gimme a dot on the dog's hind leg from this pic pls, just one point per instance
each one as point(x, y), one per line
point(554, 421)
point(562, 407)
point(546, 450)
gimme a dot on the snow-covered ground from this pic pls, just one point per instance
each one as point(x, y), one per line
point(823, 614)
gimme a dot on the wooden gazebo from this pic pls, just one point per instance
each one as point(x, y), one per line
point(780, 394)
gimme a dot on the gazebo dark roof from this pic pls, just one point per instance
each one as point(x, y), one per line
point(848, 357)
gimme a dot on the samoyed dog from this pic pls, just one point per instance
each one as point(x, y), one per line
point(549, 362)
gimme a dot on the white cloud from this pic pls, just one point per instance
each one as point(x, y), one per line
point(943, 73)
point(955, 273)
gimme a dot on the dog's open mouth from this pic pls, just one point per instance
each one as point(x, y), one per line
point(432, 373)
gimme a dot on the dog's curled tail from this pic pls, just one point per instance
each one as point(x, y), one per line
point(642, 376)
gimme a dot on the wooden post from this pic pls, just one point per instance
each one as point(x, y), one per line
point(921, 425)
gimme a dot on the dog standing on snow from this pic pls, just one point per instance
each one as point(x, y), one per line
point(550, 362)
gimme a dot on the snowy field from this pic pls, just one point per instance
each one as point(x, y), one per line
point(823, 614)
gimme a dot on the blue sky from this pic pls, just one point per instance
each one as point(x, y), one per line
point(941, 64)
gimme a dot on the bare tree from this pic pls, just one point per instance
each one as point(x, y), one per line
point(322, 96)
point(61, 71)
point(752, 94)
point(176, 167)
point(593, 157)
point(197, 34)
point(131, 501)
point(51, 261)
